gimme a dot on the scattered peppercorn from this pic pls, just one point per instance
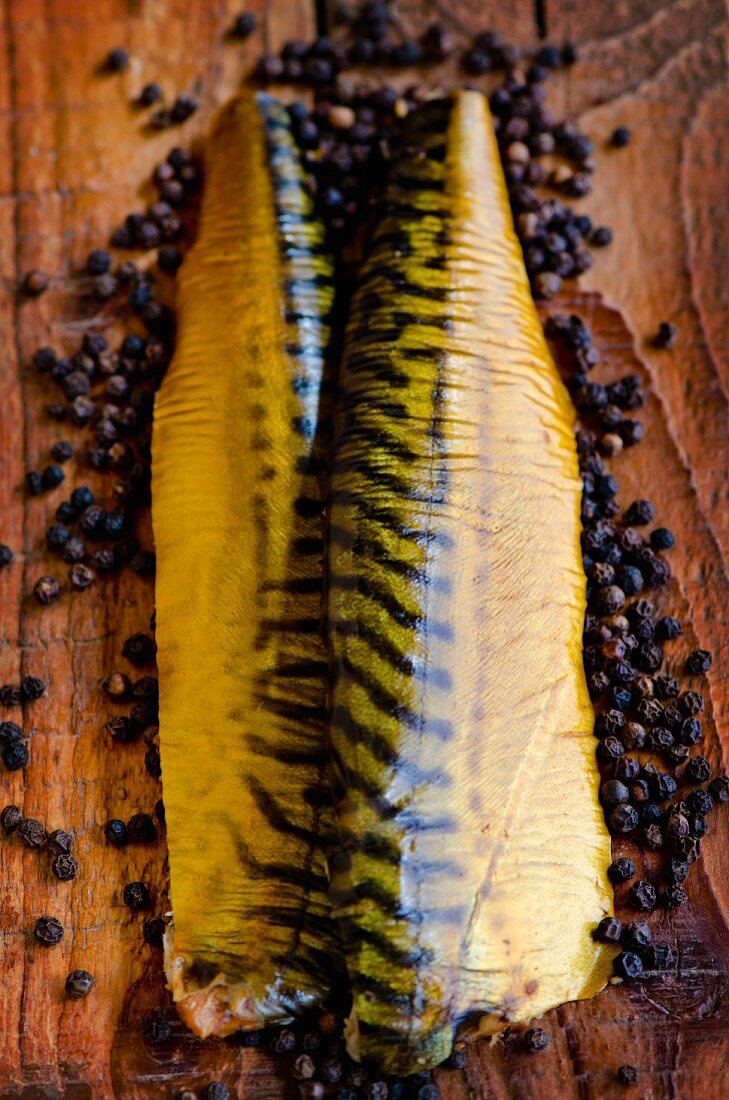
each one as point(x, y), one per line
point(698, 662)
point(139, 649)
point(216, 1090)
point(628, 966)
point(609, 930)
point(136, 895)
point(117, 60)
point(64, 868)
point(10, 818)
point(31, 832)
point(642, 896)
point(627, 1075)
point(536, 1039)
point(60, 842)
point(79, 984)
point(150, 94)
point(115, 832)
point(46, 590)
point(153, 931)
point(35, 283)
point(48, 931)
point(666, 336)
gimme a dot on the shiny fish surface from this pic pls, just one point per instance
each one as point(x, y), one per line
point(238, 496)
point(475, 850)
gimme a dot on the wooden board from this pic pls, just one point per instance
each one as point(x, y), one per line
point(74, 159)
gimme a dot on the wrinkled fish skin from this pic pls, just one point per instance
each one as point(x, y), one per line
point(240, 443)
point(475, 850)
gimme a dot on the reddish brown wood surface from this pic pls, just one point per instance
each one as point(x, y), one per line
point(74, 158)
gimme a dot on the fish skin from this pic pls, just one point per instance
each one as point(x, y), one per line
point(240, 441)
point(474, 847)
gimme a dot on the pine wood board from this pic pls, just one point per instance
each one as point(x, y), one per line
point(74, 159)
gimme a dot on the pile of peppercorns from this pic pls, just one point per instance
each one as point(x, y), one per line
point(640, 709)
point(347, 139)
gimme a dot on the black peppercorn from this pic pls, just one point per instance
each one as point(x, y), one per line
point(639, 513)
point(64, 868)
point(677, 824)
point(121, 729)
point(31, 687)
point(33, 484)
point(153, 931)
point(658, 956)
point(150, 94)
point(641, 895)
point(6, 555)
point(243, 25)
point(31, 832)
point(626, 769)
point(285, 1042)
point(649, 711)
point(691, 732)
point(620, 137)
point(609, 930)
point(663, 786)
point(619, 697)
point(15, 755)
point(700, 802)
point(10, 731)
point(52, 477)
point(117, 686)
point(698, 825)
point(609, 724)
point(636, 936)
point(613, 792)
point(719, 788)
point(117, 60)
point(115, 832)
point(153, 762)
point(666, 336)
point(688, 848)
point(10, 818)
point(46, 590)
point(60, 842)
point(677, 871)
point(621, 870)
point(659, 739)
point(666, 687)
point(79, 984)
point(610, 749)
point(626, 1075)
point(140, 828)
point(623, 819)
point(535, 1039)
point(48, 931)
point(216, 1090)
point(662, 539)
point(74, 551)
point(10, 695)
point(136, 895)
point(698, 662)
point(627, 966)
point(650, 813)
point(673, 896)
point(698, 770)
point(691, 702)
point(654, 837)
point(633, 736)
point(139, 649)
point(81, 576)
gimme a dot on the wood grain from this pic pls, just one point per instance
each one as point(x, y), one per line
point(74, 158)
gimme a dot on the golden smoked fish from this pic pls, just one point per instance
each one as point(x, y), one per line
point(238, 497)
point(474, 847)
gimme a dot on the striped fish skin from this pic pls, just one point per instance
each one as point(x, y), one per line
point(475, 850)
point(240, 442)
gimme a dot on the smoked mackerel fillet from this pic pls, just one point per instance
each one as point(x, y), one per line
point(475, 850)
point(238, 492)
